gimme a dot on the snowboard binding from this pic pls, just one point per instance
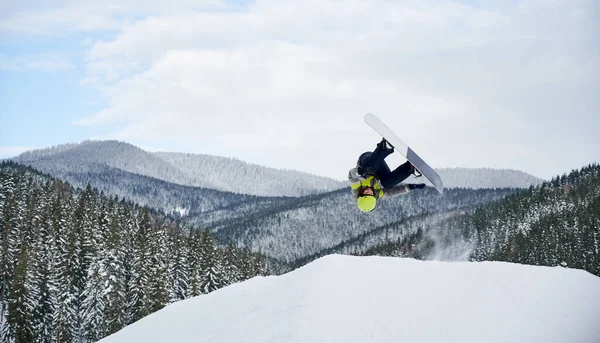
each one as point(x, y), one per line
point(415, 171)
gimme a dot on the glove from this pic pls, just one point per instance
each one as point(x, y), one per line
point(363, 172)
point(416, 185)
point(385, 146)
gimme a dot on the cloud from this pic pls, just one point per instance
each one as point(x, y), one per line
point(43, 62)
point(285, 83)
point(462, 84)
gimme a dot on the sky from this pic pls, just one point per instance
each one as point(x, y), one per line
point(285, 84)
point(382, 299)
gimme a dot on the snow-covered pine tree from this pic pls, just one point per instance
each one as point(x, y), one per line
point(194, 262)
point(231, 272)
point(95, 303)
point(137, 294)
point(85, 220)
point(252, 264)
point(14, 262)
point(41, 274)
point(19, 315)
point(65, 243)
point(6, 190)
point(211, 276)
point(178, 269)
point(128, 228)
point(115, 271)
point(158, 284)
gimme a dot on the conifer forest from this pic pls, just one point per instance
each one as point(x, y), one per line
point(76, 265)
point(554, 224)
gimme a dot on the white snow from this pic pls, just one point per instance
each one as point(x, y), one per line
point(382, 299)
point(182, 211)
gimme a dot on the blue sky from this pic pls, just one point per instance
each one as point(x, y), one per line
point(41, 91)
point(39, 106)
point(285, 83)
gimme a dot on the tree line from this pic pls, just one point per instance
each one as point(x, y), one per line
point(76, 265)
point(554, 224)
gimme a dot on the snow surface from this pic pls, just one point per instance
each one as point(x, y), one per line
point(383, 299)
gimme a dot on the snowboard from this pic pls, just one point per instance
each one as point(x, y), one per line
point(401, 147)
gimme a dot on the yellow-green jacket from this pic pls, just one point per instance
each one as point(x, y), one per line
point(358, 182)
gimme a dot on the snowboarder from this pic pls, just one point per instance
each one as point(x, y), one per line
point(372, 178)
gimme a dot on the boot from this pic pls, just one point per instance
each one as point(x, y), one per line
point(415, 171)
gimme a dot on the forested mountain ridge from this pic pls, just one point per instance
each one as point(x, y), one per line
point(476, 178)
point(76, 265)
point(556, 223)
point(311, 224)
point(284, 228)
point(82, 163)
point(210, 172)
point(200, 206)
point(234, 175)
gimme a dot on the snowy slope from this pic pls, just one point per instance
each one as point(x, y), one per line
point(226, 174)
point(211, 172)
point(233, 175)
point(377, 299)
point(487, 178)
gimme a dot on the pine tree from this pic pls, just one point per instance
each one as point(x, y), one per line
point(64, 240)
point(194, 262)
point(140, 272)
point(85, 221)
point(19, 316)
point(231, 272)
point(178, 268)
point(6, 188)
point(158, 283)
point(128, 228)
point(95, 303)
point(210, 279)
point(115, 272)
point(246, 264)
point(13, 265)
point(41, 290)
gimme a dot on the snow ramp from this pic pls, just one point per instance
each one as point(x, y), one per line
point(350, 299)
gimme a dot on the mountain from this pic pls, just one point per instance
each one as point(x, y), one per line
point(233, 175)
point(210, 172)
point(377, 299)
point(296, 229)
point(202, 206)
point(71, 162)
point(283, 227)
point(487, 178)
point(556, 223)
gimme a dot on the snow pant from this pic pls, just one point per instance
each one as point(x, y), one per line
point(373, 163)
